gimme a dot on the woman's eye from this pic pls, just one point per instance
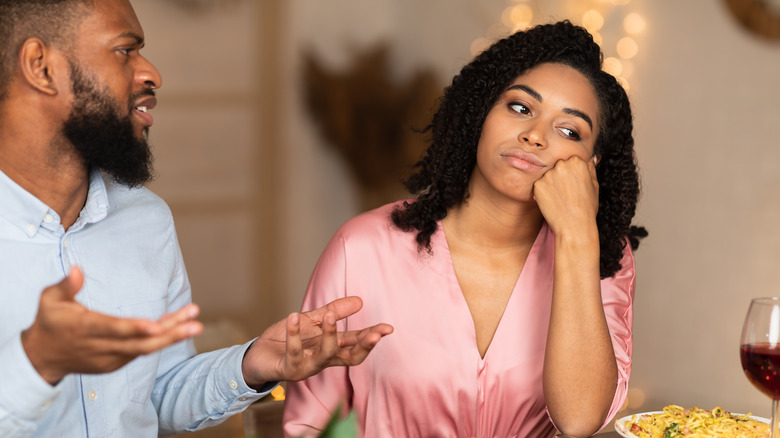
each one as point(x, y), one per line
point(519, 108)
point(570, 133)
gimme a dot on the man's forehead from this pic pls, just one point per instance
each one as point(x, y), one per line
point(110, 19)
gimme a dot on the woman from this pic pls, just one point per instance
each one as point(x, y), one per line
point(509, 279)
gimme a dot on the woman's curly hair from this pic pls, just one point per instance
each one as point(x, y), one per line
point(442, 178)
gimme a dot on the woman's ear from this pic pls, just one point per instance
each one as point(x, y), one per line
point(36, 64)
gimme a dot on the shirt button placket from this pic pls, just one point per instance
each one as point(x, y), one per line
point(94, 406)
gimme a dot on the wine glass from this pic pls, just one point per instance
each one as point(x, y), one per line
point(760, 351)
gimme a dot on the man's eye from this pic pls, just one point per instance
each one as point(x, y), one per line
point(519, 108)
point(125, 52)
point(570, 133)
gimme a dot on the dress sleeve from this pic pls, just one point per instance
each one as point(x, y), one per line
point(617, 295)
point(311, 402)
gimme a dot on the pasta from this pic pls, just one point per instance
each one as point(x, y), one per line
point(676, 421)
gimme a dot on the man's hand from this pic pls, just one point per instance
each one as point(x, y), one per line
point(304, 344)
point(67, 338)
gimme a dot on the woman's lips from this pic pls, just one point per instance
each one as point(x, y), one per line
point(524, 161)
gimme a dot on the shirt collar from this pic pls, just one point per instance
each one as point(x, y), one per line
point(96, 207)
point(29, 213)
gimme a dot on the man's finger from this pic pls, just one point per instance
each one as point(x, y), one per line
point(136, 346)
point(342, 307)
point(353, 337)
point(294, 353)
point(170, 320)
point(100, 325)
point(356, 354)
point(329, 343)
point(357, 344)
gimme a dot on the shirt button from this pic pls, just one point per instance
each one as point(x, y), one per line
point(30, 228)
point(65, 243)
point(242, 399)
point(48, 218)
point(233, 384)
point(92, 395)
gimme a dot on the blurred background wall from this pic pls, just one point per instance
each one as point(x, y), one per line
point(257, 191)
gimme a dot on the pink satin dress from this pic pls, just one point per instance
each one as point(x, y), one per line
point(427, 379)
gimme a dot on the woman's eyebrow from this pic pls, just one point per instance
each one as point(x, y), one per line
point(580, 114)
point(535, 94)
point(528, 90)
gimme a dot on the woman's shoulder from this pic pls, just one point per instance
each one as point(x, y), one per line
point(372, 223)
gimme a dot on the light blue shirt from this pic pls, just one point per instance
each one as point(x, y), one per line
point(125, 242)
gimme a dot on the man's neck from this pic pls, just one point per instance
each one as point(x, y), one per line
point(57, 178)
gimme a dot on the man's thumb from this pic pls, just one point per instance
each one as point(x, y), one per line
point(69, 286)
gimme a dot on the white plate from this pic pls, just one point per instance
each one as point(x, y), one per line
point(620, 429)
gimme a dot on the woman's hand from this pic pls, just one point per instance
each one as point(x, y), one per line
point(568, 195)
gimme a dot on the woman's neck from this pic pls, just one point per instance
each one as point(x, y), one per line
point(485, 223)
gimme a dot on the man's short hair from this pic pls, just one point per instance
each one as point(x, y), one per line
point(52, 21)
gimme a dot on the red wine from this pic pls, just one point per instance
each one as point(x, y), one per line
point(761, 363)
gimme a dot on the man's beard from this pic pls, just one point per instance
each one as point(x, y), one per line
point(102, 137)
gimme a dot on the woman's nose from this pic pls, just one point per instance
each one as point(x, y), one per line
point(533, 136)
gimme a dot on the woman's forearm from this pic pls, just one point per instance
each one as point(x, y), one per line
point(580, 371)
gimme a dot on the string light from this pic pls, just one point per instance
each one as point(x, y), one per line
point(634, 24)
point(593, 21)
point(627, 48)
point(613, 66)
point(617, 40)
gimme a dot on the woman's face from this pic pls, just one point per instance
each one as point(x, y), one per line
point(548, 113)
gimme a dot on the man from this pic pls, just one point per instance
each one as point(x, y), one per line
point(99, 352)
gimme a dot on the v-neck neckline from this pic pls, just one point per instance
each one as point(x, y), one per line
point(439, 239)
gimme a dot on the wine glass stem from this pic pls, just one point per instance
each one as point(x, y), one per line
point(775, 417)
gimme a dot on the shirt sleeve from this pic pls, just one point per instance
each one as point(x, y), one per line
point(24, 395)
point(310, 403)
point(204, 391)
point(193, 392)
point(617, 295)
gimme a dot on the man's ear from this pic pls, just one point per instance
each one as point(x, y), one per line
point(37, 63)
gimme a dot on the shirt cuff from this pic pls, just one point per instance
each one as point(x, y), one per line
point(231, 384)
point(23, 392)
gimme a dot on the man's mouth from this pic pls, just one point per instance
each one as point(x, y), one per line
point(142, 111)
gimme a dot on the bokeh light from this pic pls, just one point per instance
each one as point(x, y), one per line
point(613, 66)
point(627, 48)
point(592, 20)
point(628, 68)
point(634, 23)
point(521, 14)
point(479, 45)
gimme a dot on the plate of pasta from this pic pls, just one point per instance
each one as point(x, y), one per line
point(675, 421)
